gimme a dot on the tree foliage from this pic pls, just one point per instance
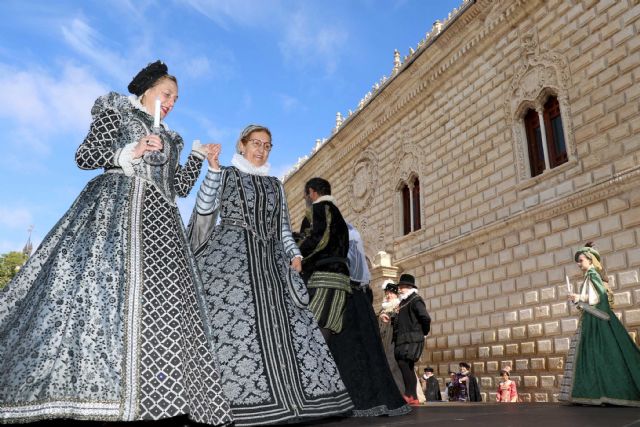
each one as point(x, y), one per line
point(10, 263)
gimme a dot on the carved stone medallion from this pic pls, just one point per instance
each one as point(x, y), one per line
point(364, 181)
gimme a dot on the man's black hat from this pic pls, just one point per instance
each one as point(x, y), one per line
point(391, 287)
point(407, 280)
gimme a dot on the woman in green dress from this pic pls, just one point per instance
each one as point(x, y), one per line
point(603, 361)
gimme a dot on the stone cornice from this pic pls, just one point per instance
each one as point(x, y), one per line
point(555, 207)
point(425, 82)
point(349, 128)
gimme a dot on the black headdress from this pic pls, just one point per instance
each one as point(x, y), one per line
point(147, 77)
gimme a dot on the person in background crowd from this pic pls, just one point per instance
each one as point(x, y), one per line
point(507, 390)
point(411, 325)
point(389, 308)
point(432, 387)
point(467, 386)
point(449, 386)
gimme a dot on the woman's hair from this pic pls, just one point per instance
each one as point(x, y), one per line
point(319, 185)
point(591, 253)
point(504, 371)
point(246, 133)
point(464, 365)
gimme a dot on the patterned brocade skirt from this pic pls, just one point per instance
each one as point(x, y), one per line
point(105, 321)
point(275, 366)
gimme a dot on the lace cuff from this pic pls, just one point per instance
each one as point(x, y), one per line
point(124, 159)
point(197, 148)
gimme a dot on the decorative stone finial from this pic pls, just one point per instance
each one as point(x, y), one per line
point(396, 61)
point(339, 120)
point(437, 27)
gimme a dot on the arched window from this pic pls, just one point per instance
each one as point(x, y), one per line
point(406, 209)
point(534, 142)
point(410, 194)
point(416, 204)
point(545, 137)
point(555, 133)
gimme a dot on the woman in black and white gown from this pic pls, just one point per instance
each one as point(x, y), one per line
point(105, 320)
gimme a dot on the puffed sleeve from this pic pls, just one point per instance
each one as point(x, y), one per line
point(206, 210)
point(318, 237)
point(98, 149)
point(290, 246)
point(187, 175)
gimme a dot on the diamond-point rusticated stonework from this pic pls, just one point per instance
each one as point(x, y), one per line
point(494, 246)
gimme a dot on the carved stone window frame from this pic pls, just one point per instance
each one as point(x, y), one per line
point(408, 181)
point(539, 77)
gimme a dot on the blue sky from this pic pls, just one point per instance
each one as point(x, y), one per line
point(290, 65)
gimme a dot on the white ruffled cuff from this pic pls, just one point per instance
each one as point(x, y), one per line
point(198, 149)
point(125, 159)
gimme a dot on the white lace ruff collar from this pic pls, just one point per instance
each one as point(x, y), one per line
point(245, 166)
point(135, 101)
point(408, 293)
point(326, 199)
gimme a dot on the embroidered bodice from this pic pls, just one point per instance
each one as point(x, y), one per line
point(118, 123)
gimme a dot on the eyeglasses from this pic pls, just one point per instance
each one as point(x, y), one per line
point(256, 143)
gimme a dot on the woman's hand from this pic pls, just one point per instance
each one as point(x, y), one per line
point(147, 143)
point(296, 264)
point(573, 297)
point(385, 318)
point(213, 154)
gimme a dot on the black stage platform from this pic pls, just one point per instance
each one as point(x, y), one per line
point(445, 415)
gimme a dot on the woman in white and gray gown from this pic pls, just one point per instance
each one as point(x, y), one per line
point(275, 366)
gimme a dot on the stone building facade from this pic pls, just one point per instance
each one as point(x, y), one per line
point(435, 168)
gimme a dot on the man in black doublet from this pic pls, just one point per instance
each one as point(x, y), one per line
point(410, 327)
point(325, 246)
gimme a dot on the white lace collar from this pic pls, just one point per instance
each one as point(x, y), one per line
point(326, 199)
point(246, 166)
point(408, 293)
point(135, 101)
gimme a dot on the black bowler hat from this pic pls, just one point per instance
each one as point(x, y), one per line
point(407, 280)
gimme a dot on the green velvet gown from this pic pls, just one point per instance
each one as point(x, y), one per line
point(603, 364)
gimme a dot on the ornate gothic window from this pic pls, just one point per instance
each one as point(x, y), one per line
point(537, 105)
point(410, 196)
